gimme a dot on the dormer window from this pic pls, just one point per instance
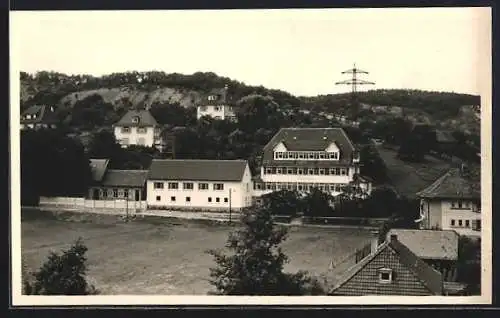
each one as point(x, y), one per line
point(135, 119)
point(385, 275)
point(212, 97)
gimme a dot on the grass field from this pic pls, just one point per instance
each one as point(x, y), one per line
point(166, 257)
point(409, 178)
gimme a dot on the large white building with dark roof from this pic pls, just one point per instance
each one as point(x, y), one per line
point(138, 127)
point(211, 185)
point(300, 159)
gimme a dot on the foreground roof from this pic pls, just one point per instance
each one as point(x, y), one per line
point(197, 170)
point(145, 119)
point(452, 185)
point(430, 278)
point(310, 139)
point(429, 244)
point(125, 178)
point(98, 168)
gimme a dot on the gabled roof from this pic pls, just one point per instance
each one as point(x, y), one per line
point(145, 119)
point(43, 114)
point(429, 244)
point(197, 170)
point(125, 178)
point(222, 98)
point(310, 139)
point(428, 276)
point(452, 185)
point(98, 168)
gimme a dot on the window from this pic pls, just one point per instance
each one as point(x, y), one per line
point(467, 223)
point(316, 155)
point(173, 185)
point(301, 156)
point(311, 155)
point(316, 171)
point(279, 155)
point(290, 171)
point(453, 204)
point(385, 275)
point(216, 108)
point(120, 192)
point(125, 194)
point(460, 204)
point(158, 185)
point(219, 186)
point(141, 130)
point(217, 199)
point(187, 186)
point(452, 223)
point(135, 119)
point(321, 171)
point(278, 170)
point(158, 198)
point(125, 130)
point(268, 170)
point(226, 200)
point(172, 199)
point(459, 222)
point(300, 171)
point(188, 199)
point(343, 172)
point(202, 186)
point(209, 199)
point(115, 193)
point(321, 156)
point(310, 171)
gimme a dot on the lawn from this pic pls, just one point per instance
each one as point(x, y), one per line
point(409, 178)
point(166, 257)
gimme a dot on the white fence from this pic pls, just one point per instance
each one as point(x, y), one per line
point(92, 205)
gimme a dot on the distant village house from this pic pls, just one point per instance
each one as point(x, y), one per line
point(38, 116)
point(138, 127)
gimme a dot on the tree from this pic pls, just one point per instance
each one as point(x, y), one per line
point(63, 274)
point(283, 202)
point(256, 111)
point(256, 265)
point(469, 264)
point(317, 203)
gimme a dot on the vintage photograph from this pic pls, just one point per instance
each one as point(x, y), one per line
point(334, 153)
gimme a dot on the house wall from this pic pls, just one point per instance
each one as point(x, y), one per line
point(209, 110)
point(240, 196)
point(464, 214)
point(133, 136)
point(440, 213)
point(366, 281)
point(431, 210)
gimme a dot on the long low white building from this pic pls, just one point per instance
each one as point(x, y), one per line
point(211, 185)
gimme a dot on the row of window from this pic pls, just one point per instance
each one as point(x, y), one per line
point(216, 108)
point(188, 186)
point(140, 130)
point(461, 204)
point(277, 186)
point(307, 171)
point(188, 199)
point(310, 155)
point(475, 224)
point(113, 193)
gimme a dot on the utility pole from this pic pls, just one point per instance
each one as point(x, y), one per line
point(126, 205)
point(354, 81)
point(229, 205)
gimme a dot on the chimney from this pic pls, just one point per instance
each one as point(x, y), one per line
point(374, 241)
point(394, 237)
point(224, 97)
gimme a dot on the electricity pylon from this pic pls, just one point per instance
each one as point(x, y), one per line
point(354, 81)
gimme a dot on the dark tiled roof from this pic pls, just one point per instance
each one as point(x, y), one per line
point(98, 168)
point(423, 273)
point(145, 119)
point(309, 139)
point(430, 277)
point(43, 115)
point(125, 178)
point(222, 98)
point(203, 170)
point(429, 244)
point(452, 185)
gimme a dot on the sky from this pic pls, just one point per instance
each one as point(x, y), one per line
point(302, 52)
